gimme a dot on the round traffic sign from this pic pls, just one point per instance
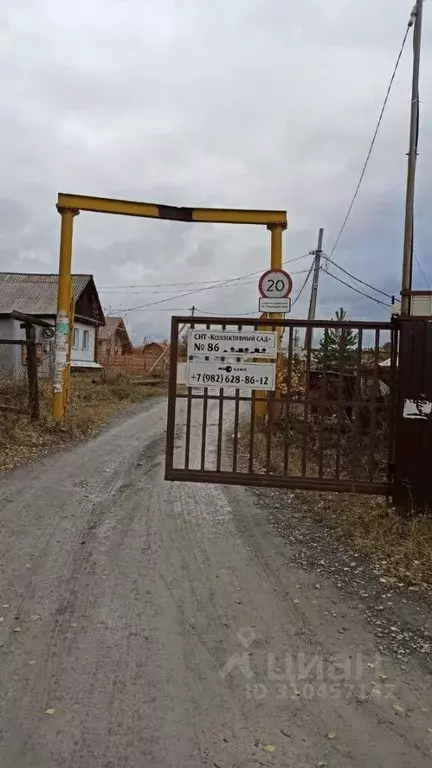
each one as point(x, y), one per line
point(275, 284)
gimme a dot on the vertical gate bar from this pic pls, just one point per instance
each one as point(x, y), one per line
point(204, 428)
point(220, 422)
point(288, 398)
point(204, 421)
point(270, 404)
point(172, 396)
point(188, 421)
point(236, 422)
point(340, 396)
point(270, 415)
point(373, 408)
point(220, 430)
point(306, 401)
point(391, 407)
point(252, 433)
point(252, 422)
point(355, 413)
point(322, 404)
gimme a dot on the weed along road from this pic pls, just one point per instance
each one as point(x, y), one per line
point(147, 623)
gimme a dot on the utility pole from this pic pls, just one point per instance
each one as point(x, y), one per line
point(314, 289)
point(407, 264)
point(192, 311)
point(315, 278)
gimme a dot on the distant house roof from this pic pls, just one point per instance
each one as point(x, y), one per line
point(159, 344)
point(36, 294)
point(114, 325)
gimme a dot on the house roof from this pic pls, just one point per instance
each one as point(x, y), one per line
point(161, 344)
point(112, 325)
point(34, 294)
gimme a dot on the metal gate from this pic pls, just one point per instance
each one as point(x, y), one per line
point(328, 424)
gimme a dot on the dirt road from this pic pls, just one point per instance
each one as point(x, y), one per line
point(150, 624)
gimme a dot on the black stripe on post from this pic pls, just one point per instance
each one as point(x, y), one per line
point(173, 213)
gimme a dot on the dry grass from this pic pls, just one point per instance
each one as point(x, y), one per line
point(400, 548)
point(92, 405)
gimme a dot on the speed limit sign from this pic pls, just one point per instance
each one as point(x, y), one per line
point(275, 284)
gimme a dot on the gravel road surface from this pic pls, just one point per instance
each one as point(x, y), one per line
point(145, 623)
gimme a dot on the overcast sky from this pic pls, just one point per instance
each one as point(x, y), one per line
point(248, 103)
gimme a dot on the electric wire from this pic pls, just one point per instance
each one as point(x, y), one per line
point(421, 272)
point(357, 290)
point(358, 279)
point(199, 290)
point(375, 134)
point(152, 293)
point(294, 302)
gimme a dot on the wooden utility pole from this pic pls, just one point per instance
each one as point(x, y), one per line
point(314, 289)
point(32, 371)
point(407, 264)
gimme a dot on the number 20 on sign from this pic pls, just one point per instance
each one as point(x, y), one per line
point(275, 283)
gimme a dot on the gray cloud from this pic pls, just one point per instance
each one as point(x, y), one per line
point(256, 105)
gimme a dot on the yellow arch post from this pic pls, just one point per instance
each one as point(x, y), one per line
point(63, 312)
point(275, 263)
point(70, 205)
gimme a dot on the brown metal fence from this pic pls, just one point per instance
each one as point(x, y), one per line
point(327, 426)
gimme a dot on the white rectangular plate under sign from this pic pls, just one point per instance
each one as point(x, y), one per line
point(247, 343)
point(275, 305)
point(202, 373)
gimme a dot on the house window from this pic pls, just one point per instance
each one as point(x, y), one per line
point(75, 338)
point(86, 340)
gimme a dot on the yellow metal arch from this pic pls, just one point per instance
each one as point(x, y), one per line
point(70, 205)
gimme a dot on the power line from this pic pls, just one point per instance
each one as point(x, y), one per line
point(357, 279)
point(357, 290)
point(375, 134)
point(199, 290)
point(162, 285)
point(303, 286)
point(109, 312)
point(195, 282)
point(152, 293)
point(222, 314)
point(421, 271)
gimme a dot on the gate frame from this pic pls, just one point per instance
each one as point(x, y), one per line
point(267, 480)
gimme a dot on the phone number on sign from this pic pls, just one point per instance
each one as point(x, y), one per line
point(229, 378)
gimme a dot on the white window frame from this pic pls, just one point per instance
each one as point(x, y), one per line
point(75, 338)
point(85, 341)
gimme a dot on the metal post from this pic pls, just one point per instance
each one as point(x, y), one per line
point(275, 246)
point(63, 310)
point(314, 289)
point(275, 263)
point(67, 370)
point(407, 264)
